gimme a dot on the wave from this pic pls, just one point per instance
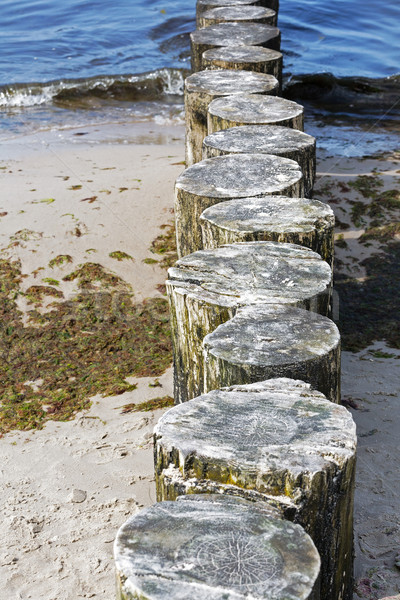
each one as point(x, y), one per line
point(161, 84)
point(360, 96)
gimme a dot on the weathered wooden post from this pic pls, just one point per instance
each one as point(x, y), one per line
point(310, 223)
point(239, 14)
point(203, 87)
point(245, 58)
point(268, 139)
point(253, 109)
point(225, 178)
point(232, 35)
point(277, 440)
point(205, 5)
point(206, 289)
point(207, 547)
point(267, 341)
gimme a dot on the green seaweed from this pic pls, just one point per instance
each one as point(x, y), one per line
point(165, 245)
point(370, 310)
point(119, 255)
point(60, 260)
point(83, 346)
point(340, 241)
point(153, 404)
point(50, 281)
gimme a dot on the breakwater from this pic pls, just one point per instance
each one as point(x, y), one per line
point(258, 452)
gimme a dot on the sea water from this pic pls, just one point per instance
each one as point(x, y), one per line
point(81, 62)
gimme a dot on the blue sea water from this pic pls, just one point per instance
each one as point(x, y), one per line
point(79, 61)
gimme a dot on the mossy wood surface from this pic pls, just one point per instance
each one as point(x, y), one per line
point(193, 548)
point(278, 438)
point(268, 139)
point(206, 288)
point(301, 221)
point(241, 14)
point(215, 180)
point(205, 5)
point(245, 58)
point(231, 35)
point(266, 341)
point(253, 109)
point(203, 87)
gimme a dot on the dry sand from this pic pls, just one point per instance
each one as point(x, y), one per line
point(67, 488)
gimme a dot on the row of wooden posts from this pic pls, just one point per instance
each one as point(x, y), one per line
point(255, 464)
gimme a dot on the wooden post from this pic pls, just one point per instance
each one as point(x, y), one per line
point(207, 547)
point(278, 440)
point(240, 14)
point(205, 5)
point(282, 141)
point(267, 341)
point(232, 35)
point(202, 87)
point(245, 58)
point(253, 109)
point(206, 289)
point(310, 223)
point(225, 178)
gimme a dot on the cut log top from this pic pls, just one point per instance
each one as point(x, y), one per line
point(250, 273)
point(208, 4)
point(214, 83)
point(239, 176)
point(273, 335)
point(253, 108)
point(243, 54)
point(216, 3)
point(277, 214)
point(239, 13)
point(233, 34)
point(271, 139)
point(258, 428)
point(209, 557)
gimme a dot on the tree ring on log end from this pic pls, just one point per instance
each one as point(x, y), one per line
point(193, 548)
point(253, 109)
point(301, 221)
point(267, 341)
point(224, 178)
point(268, 139)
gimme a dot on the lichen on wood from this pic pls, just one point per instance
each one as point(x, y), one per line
point(224, 178)
point(301, 221)
point(266, 341)
point(206, 288)
point(277, 441)
point(208, 556)
point(268, 139)
point(245, 58)
point(231, 34)
point(205, 5)
point(202, 87)
point(253, 109)
point(241, 14)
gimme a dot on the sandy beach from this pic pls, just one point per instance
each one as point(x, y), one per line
point(66, 488)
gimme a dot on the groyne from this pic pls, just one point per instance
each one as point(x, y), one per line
point(255, 464)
